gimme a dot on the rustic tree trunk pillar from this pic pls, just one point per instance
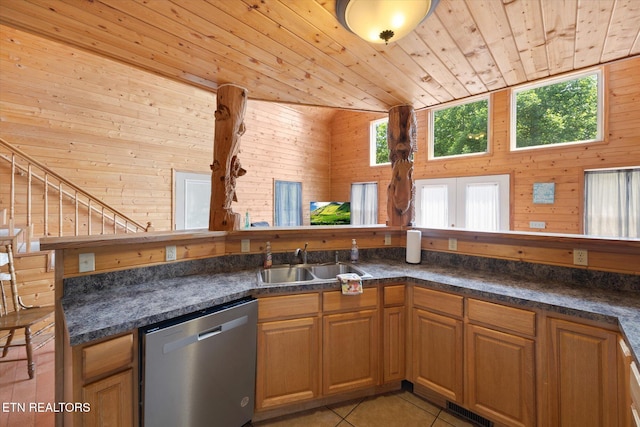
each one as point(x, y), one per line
point(401, 139)
point(229, 127)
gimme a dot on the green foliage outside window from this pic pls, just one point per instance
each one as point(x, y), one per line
point(461, 129)
point(557, 113)
point(382, 149)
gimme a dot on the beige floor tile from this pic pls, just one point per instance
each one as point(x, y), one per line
point(389, 410)
point(345, 408)
point(420, 402)
point(453, 420)
point(321, 417)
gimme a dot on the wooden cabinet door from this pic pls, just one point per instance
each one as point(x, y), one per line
point(582, 375)
point(500, 381)
point(437, 354)
point(350, 351)
point(288, 362)
point(111, 401)
point(393, 353)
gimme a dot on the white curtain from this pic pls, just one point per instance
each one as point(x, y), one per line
point(482, 210)
point(434, 209)
point(288, 204)
point(364, 203)
point(612, 203)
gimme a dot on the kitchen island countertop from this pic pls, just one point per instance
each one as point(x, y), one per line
point(109, 310)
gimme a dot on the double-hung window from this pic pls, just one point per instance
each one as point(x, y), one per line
point(287, 205)
point(612, 203)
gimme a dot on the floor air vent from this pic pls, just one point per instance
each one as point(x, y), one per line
point(465, 413)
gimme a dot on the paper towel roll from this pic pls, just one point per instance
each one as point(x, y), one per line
point(414, 238)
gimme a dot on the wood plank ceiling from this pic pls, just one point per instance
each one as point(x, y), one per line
point(295, 51)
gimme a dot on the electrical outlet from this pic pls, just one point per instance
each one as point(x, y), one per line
point(86, 262)
point(453, 244)
point(537, 224)
point(580, 257)
point(170, 253)
point(387, 239)
point(245, 245)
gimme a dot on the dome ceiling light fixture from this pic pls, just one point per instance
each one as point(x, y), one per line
point(382, 21)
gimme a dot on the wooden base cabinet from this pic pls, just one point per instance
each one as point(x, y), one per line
point(287, 362)
point(106, 382)
point(288, 354)
point(350, 343)
point(111, 401)
point(582, 375)
point(437, 354)
point(500, 351)
point(394, 332)
point(437, 342)
point(501, 376)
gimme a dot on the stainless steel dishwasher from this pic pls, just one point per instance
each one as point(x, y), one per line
point(199, 369)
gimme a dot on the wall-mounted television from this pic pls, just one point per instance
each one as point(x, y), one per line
point(330, 213)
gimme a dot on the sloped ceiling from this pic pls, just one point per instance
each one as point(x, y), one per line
point(295, 51)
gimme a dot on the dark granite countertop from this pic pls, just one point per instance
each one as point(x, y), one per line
point(97, 310)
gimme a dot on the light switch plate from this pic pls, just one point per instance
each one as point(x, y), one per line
point(245, 245)
point(86, 262)
point(170, 253)
point(453, 244)
point(387, 239)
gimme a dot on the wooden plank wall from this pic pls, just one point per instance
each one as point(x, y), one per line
point(563, 165)
point(119, 132)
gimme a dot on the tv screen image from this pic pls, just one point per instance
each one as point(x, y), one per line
point(330, 213)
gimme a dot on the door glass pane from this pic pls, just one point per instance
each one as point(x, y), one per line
point(434, 209)
point(482, 207)
point(364, 203)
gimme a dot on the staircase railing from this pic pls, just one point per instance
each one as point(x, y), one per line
point(44, 194)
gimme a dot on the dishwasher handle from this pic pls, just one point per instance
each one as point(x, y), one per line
point(200, 336)
point(223, 328)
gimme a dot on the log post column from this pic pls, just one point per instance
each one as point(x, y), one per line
point(229, 127)
point(401, 140)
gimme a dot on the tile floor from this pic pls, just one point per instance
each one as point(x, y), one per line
point(399, 408)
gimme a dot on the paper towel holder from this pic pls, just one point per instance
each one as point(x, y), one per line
point(414, 247)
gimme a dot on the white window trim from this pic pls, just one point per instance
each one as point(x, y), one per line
point(549, 82)
point(431, 135)
point(372, 141)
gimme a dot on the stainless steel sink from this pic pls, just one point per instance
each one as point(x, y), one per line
point(330, 271)
point(306, 273)
point(285, 274)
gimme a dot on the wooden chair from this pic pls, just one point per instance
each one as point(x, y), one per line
point(22, 316)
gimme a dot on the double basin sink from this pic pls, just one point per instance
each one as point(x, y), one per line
point(306, 273)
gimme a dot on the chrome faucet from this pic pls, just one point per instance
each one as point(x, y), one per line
point(298, 252)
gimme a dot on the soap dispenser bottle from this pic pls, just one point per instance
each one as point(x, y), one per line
point(267, 256)
point(354, 251)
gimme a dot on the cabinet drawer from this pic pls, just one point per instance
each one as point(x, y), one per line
point(394, 295)
point(289, 306)
point(440, 302)
point(335, 301)
point(634, 384)
point(503, 317)
point(107, 356)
